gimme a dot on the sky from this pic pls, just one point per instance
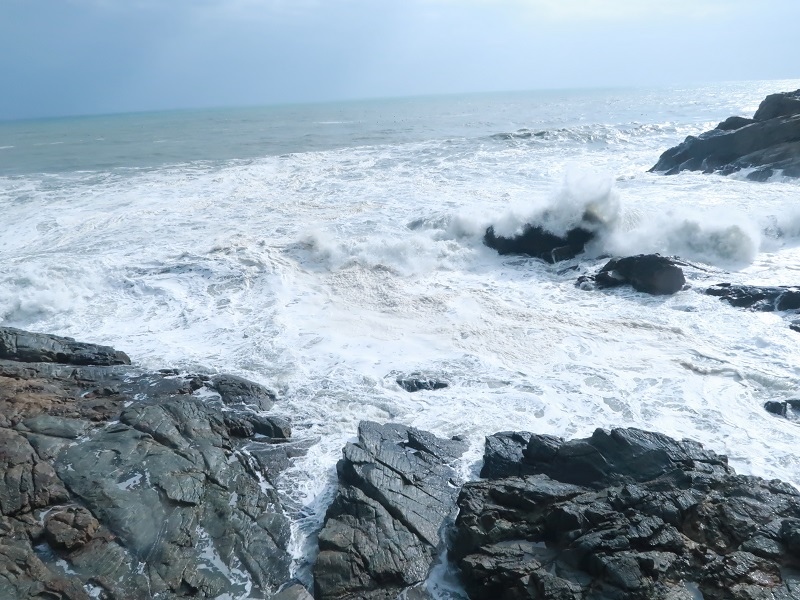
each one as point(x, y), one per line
point(74, 57)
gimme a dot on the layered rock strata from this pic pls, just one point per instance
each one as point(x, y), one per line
point(623, 515)
point(384, 529)
point(123, 484)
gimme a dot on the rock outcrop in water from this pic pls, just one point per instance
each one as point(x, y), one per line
point(538, 242)
point(648, 273)
point(765, 299)
point(123, 484)
point(384, 529)
point(788, 409)
point(623, 515)
point(767, 143)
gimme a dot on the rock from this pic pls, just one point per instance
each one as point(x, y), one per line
point(784, 104)
point(648, 273)
point(25, 346)
point(788, 409)
point(236, 390)
point(117, 483)
point(383, 530)
point(503, 455)
point(764, 299)
point(293, 592)
point(767, 143)
point(538, 242)
point(416, 383)
point(626, 515)
point(733, 123)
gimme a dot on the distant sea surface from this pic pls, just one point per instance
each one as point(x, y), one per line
point(326, 249)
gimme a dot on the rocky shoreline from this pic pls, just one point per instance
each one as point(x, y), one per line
point(124, 484)
point(767, 144)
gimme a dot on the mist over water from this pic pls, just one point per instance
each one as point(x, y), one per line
point(324, 250)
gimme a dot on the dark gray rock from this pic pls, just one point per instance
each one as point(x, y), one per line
point(237, 390)
point(416, 383)
point(785, 104)
point(788, 409)
point(503, 455)
point(383, 530)
point(627, 515)
point(769, 142)
point(733, 123)
point(19, 345)
point(764, 299)
point(118, 483)
point(536, 241)
point(647, 273)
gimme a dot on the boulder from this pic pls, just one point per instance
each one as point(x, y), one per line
point(384, 528)
point(648, 273)
point(536, 241)
point(625, 515)
point(788, 409)
point(767, 143)
point(415, 383)
point(119, 483)
point(765, 299)
point(237, 390)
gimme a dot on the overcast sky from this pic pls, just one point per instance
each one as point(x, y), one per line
point(60, 57)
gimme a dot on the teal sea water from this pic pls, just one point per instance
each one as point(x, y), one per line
point(324, 249)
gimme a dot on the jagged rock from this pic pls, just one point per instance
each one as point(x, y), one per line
point(416, 383)
point(19, 345)
point(118, 483)
point(789, 409)
point(626, 515)
point(503, 455)
point(648, 273)
point(538, 242)
point(765, 299)
point(236, 390)
point(768, 142)
point(383, 529)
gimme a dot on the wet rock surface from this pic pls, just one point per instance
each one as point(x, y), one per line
point(623, 515)
point(383, 530)
point(536, 241)
point(788, 409)
point(119, 483)
point(767, 143)
point(647, 273)
point(759, 298)
point(416, 383)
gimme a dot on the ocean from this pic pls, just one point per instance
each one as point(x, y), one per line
point(326, 249)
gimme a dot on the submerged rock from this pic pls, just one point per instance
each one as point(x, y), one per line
point(765, 299)
point(648, 273)
point(416, 383)
point(384, 528)
point(538, 242)
point(623, 515)
point(768, 142)
point(124, 484)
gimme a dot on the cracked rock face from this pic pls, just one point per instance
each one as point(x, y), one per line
point(623, 515)
point(384, 528)
point(121, 484)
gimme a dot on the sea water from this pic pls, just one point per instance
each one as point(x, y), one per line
point(323, 250)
